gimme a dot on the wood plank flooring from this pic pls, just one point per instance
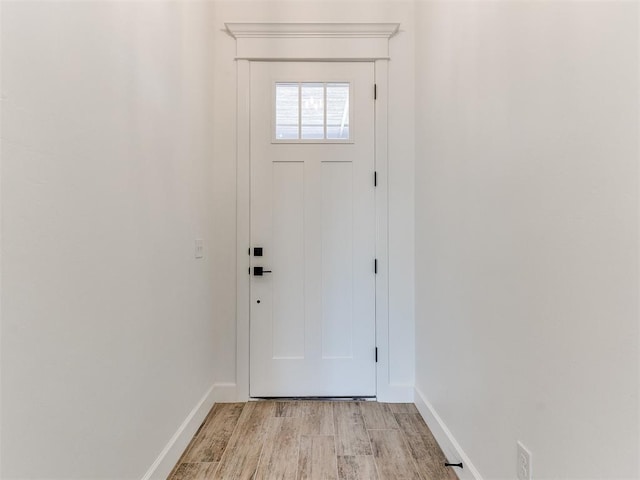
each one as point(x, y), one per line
point(313, 440)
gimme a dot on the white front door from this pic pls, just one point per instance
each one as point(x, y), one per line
point(312, 316)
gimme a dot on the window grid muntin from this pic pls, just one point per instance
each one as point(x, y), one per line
point(346, 123)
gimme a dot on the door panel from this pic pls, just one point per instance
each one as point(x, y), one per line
point(288, 255)
point(337, 265)
point(312, 329)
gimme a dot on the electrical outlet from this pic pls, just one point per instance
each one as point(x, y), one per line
point(199, 251)
point(524, 463)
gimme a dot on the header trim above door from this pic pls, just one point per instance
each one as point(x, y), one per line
point(312, 41)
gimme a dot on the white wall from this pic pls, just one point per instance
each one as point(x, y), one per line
point(401, 160)
point(527, 232)
point(107, 157)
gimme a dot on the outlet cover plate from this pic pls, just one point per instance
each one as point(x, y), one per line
point(524, 463)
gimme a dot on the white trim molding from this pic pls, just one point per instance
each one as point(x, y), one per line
point(171, 453)
point(175, 447)
point(384, 390)
point(337, 42)
point(395, 393)
point(450, 446)
point(310, 29)
point(243, 226)
point(312, 41)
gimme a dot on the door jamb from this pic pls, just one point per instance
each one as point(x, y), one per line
point(318, 41)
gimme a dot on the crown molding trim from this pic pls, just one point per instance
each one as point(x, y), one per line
point(312, 41)
point(313, 30)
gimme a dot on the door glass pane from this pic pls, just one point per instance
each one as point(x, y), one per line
point(312, 100)
point(338, 111)
point(312, 111)
point(287, 111)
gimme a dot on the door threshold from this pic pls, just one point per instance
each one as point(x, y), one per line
point(319, 399)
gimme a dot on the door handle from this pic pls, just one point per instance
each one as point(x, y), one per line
point(259, 271)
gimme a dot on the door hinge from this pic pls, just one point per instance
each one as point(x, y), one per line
point(375, 266)
point(376, 354)
point(375, 179)
point(375, 91)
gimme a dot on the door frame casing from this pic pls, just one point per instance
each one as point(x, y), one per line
point(339, 42)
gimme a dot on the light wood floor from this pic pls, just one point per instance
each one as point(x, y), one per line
point(313, 440)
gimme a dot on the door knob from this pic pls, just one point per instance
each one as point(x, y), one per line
point(259, 271)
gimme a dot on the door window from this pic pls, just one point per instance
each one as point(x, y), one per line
point(312, 112)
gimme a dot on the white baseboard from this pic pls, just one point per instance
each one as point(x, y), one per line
point(171, 453)
point(445, 439)
point(394, 393)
